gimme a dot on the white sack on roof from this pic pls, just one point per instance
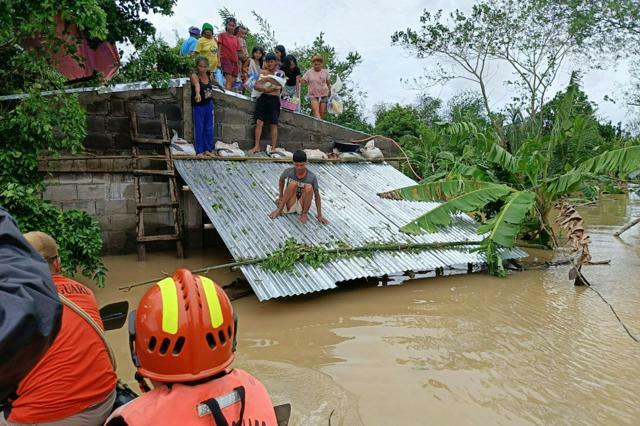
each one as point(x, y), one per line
point(315, 154)
point(371, 152)
point(229, 149)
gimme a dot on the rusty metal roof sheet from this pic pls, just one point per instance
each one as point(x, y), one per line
point(239, 195)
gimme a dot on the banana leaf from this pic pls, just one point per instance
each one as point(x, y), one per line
point(471, 200)
point(565, 183)
point(500, 156)
point(505, 226)
point(619, 161)
point(441, 190)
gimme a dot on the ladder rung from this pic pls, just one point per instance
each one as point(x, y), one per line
point(151, 141)
point(154, 172)
point(169, 237)
point(152, 205)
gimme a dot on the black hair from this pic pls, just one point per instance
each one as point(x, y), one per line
point(280, 48)
point(270, 57)
point(238, 28)
point(286, 66)
point(299, 156)
point(200, 59)
point(258, 49)
point(229, 19)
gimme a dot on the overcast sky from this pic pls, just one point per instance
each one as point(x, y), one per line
point(366, 26)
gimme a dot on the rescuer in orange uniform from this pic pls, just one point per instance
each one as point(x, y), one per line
point(183, 338)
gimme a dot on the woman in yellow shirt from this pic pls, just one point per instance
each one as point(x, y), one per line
point(207, 47)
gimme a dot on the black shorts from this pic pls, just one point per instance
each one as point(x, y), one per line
point(268, 108)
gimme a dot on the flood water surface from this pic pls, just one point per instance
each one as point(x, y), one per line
point(465, 349)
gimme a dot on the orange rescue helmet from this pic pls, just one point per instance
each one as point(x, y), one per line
point(183, 330)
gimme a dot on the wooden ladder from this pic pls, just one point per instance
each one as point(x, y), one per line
point(138, 143)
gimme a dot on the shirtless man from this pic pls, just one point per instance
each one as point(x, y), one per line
point(297, 187)
point(268, 104)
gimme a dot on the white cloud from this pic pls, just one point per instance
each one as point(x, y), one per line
point(367, 26)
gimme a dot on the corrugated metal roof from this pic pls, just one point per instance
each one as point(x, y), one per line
point(239, 195)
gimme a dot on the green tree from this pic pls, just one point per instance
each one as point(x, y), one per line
point(532, 41)
point(126, 20)
point(157, 63)
point(525, 185)
point(396, 121)
point(38, 124)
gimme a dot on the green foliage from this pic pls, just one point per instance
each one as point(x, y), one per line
point(460, 196)
point(288, 253)
point(157, 63)
point(516, 189)
point(44, 124)
point(125, 22)
point(396, 121)
point(504, 228)
point(77, 234)
point(620, 162)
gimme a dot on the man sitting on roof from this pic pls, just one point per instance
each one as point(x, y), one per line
point(297, 187)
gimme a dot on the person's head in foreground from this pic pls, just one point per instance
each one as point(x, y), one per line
point(182, 337)
point(46, 246)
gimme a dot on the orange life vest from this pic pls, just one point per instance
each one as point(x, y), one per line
point(236, 398)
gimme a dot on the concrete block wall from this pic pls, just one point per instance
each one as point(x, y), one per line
point(110, 199)
point(108, 117)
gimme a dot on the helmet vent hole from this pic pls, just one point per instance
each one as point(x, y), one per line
point(222, 337)
point(164, 346)
point(177, 348)
point(186, 307)
point(152, 344)
point(229, 332)
point(211, 341)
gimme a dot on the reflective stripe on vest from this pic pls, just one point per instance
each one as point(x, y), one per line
point(164, 406)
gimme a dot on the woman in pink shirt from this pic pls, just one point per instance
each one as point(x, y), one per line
point(317, 79)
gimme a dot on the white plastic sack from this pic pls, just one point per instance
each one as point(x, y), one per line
point(315, 154)
point(180, 146)
point(371, 152)
point(351, 156)
point(278, 153)
point(335, 105)
point(229, 149)
point(270, 79)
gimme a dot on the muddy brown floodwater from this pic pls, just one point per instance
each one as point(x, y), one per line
point(465, 349)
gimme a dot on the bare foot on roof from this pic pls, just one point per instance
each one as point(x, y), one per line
point(254, 150)
point(303, 218)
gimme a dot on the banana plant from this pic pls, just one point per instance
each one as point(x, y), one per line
point(525, 184)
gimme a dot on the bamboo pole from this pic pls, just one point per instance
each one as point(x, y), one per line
point(626, 227)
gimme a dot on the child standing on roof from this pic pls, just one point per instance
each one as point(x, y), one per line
point(319, 87)
point(202, 105)
point(269, 88)
point(207, 47)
